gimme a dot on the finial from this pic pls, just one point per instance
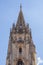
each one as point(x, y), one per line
point(20, 7)
point(30, 33)
point(27, 25)
point(13, 26)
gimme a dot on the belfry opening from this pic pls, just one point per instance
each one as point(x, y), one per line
point(20, 62)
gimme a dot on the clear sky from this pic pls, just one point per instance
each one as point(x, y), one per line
point(33, 14)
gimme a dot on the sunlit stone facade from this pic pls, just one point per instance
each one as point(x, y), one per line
point(21, 49)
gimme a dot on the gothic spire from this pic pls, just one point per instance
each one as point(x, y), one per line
point(20, 20)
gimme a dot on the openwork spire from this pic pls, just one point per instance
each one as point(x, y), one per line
point(20, 20)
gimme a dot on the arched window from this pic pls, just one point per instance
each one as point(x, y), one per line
point(20, 62)
point(9, 64)
point(20, 50)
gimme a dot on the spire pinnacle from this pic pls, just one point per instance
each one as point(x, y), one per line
point(20, 20)
point(20, 7)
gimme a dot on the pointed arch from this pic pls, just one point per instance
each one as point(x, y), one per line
point(20, 62)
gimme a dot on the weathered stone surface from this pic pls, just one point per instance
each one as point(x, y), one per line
point(20, 37)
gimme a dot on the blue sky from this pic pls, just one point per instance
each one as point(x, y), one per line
point(33, 14)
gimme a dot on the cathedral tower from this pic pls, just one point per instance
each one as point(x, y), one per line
point(21, 49)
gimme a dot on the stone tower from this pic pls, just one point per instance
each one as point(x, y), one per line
point(21, 49)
